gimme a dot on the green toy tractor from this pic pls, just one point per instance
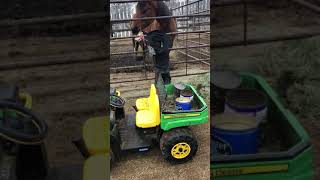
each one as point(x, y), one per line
point(157, 119)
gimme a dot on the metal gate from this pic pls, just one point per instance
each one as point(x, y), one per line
point(190, 54)
point(246, 40)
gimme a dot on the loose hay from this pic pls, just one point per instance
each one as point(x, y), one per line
point(294, 67)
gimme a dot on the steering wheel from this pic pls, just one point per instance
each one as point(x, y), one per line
point(116, 101)
point(20, 132)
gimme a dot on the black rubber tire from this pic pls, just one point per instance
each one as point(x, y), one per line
point(174, 136)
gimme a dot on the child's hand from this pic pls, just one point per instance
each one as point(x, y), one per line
point(140, 37)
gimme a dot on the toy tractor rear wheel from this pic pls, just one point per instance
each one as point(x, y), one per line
point(178, 145)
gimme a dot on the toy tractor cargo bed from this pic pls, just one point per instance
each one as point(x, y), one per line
point(290, 157)
point(171, 118)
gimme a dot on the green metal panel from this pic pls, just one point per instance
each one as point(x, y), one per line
point(186, 118)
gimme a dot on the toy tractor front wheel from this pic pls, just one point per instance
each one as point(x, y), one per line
point(178, 145)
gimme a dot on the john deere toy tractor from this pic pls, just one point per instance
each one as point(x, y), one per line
point(22, 151)
point(155, 121)
point(152, 122)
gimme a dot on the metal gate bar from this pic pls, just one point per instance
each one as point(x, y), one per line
point(251, 41)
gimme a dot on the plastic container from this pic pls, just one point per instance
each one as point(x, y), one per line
point(238, 133)
point(222, 82)
point(183, 103)
point(187, 93)
point(178, 87)
point(247, 101)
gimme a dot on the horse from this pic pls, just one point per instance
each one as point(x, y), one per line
point(145, 9)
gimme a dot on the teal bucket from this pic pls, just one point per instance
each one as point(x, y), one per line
point(183, 103)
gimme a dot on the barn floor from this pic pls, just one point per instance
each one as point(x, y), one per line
point(64, 95)
point(262, 23)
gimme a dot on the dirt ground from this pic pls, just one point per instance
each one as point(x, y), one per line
point(151, 165)
point(63, 95)
point(265, 21)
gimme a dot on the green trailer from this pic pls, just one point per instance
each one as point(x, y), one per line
point(292, 159)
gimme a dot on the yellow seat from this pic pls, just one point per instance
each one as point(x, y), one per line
point(145, 119)
point(94, 134)
point(144, 103)
point(150, 117)
point(96, 167)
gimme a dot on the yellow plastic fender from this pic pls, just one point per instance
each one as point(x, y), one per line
point(95, 135)
point(97, 167)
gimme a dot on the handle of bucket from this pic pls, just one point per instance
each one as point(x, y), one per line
point(222, 146)
point(179, 108)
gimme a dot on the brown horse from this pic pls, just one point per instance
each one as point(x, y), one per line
point(153, 9)
point(166, 25)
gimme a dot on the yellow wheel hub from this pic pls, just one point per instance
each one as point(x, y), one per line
point(180, 150)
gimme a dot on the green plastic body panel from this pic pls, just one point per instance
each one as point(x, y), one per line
point(299, 168)
point(170, 120)
point(298, 157)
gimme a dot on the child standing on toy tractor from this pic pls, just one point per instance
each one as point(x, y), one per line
point(160, 44)
point(156, 29)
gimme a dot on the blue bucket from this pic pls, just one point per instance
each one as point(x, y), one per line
point(183, 103)
point(236, 134)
